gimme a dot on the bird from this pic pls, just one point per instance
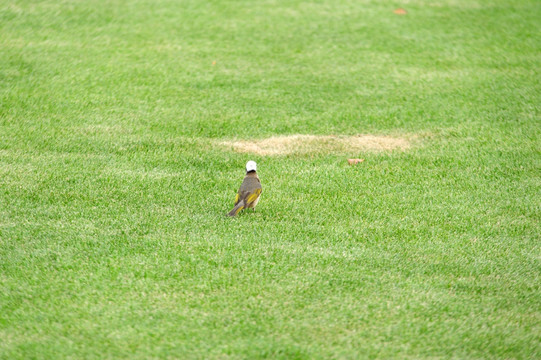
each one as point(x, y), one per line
point(249, 191)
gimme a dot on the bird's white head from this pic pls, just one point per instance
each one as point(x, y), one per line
point(251, 166)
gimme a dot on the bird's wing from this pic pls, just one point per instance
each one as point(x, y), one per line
point(253, 196)
point(248, 196)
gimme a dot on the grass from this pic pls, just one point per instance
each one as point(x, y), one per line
point(114, 186)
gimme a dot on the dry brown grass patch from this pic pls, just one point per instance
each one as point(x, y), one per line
point(303, 144)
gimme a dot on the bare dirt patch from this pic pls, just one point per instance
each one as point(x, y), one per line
point(304, 144)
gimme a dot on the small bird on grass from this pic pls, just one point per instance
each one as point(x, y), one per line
point(249, 191)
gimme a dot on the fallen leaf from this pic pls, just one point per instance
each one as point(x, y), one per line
point(400, 11)
point(355, 161)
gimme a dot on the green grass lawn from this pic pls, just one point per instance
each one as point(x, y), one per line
point(114, 180)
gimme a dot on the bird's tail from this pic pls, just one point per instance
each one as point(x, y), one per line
point(237, 209)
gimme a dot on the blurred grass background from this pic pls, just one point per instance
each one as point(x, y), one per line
point(113, 185)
